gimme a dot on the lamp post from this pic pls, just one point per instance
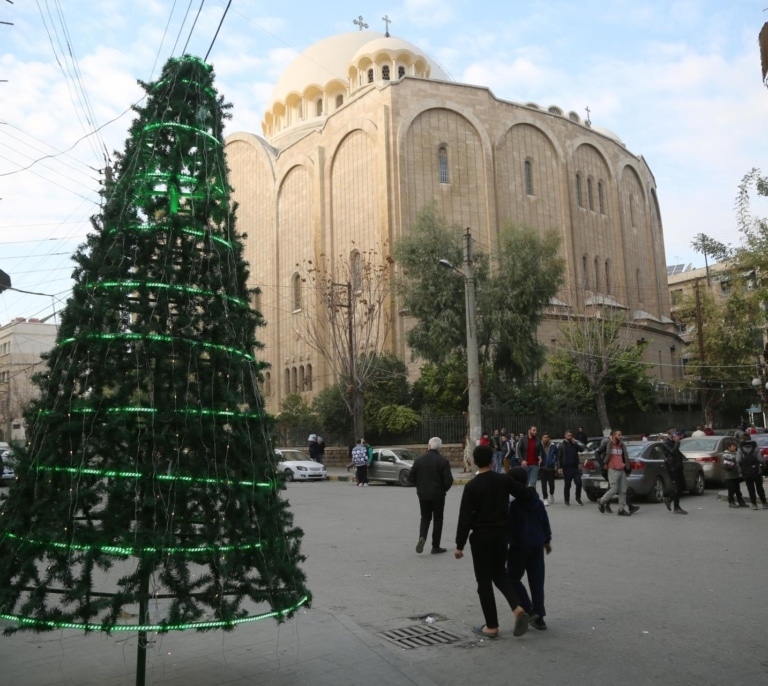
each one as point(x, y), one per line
point(473, 367)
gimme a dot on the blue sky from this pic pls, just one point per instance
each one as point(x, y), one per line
point(678, 81)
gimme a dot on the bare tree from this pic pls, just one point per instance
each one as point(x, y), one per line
point(350, 320)
point(593, 343)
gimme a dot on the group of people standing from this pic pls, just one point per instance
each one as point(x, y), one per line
point(741, 462)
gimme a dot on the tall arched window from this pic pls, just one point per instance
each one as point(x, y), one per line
point(590, 199)
point(308, 378)
point(301, 388)
point(294, 380)
point(287, 380)
point(400, 72)
point(385, 72)
point(579, 195)
point(339, 101)
point(356, 271)
point(528, 177)
point(597, 274)
point(296, 291)
point(267, 384)
point(370, 76)
point(442, 159)
point(637, 285)
point(584, 272)
point(601, 197)
point(319, 108)
point(607, 276)
point(632, 210)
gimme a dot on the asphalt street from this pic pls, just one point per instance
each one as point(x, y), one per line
point(649, 599)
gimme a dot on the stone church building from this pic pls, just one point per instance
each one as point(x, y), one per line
point(363, 130)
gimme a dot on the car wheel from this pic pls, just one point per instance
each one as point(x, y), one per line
point(656, 494)
point(592, 496)
point(698, 485)
point(403, 477)
point(289, 475)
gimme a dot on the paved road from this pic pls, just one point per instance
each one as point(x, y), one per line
point(652, 599)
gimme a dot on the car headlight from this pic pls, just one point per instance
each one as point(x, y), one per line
point(301, 468)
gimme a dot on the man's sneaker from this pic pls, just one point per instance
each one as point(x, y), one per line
point(552, 499)
point(420, 545)
point(668, 503)
point(601, 507)
point(538, 622)
point(546, 502)
point(578, 501)
point(633, 509)
point(608, 508)
point(568, 503)
point(679, 510)
point(624, 513)
point(755, 507)
point(765, 506)
point(743, 504)
point(736, 505)
point(438, 550)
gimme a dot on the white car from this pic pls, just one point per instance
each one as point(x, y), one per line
point(6, 468)
point(296, 466)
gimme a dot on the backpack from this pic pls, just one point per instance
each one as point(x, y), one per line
point(750, 464)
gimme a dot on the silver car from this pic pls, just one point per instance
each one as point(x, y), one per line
point(707, 451)
point(392, 465)
point(296, 466)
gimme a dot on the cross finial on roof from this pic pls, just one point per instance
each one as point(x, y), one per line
point(588, 111)
point(359, 22)
point(387, 21)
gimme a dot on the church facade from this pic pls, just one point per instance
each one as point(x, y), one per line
point(363, 131)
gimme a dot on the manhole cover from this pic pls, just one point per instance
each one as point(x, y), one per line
point(419, 636)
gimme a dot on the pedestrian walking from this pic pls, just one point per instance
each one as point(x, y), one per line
point(431, 474)
point(484, 513)
point(673, 459)
point(614, 454)
point(314, 449)
point(752, 471)
point(548, 470)
point(360, 460)
point(497, 451)
point(730, 461)
point(529, 537)
point(569, 465)
point(530, 454)
point(581, 436)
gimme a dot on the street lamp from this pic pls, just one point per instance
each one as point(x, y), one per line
point(473, 367)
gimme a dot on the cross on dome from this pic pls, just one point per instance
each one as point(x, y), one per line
point(359, 22)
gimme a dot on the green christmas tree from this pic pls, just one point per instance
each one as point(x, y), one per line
point(147, 498)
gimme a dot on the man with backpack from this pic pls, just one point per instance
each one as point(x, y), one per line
point(751, 471)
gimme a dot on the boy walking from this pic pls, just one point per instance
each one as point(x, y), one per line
point(484, 512)
point(530, 536)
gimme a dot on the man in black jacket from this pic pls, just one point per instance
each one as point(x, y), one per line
point(431, 474)
point(673, 459)
point(569, 466)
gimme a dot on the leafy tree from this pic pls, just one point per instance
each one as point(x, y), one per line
point(512, 290)
point(442, 388)
point(295, 411)
point(708, 247)
point(332, 411)
point(147, 474)
point(387, 387)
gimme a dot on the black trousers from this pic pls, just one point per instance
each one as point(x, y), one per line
point(569, 476)
point(362, 474)
point(432, 509)
point(489, 558)
point(547, 477)
point(755, 485)
point(734, 491)
point(678, 486)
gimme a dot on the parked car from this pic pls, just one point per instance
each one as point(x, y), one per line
point(762, 444)
point(707, 450)
point(392, 465)
point(6, 468)
point(296, 466)
point(649, 477)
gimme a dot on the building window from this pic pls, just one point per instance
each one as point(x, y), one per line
point(597, 274)
point(339, 101)
point(267, 384)
point(319, 108)
point(294, 380)
point(590, 199)
point(579, 196)
point(370, 76)
point(301, 379)
point(287, 381)
point(355, 270)
point(296, 291)
point(308, 378)
point(677, 296)
point(632, 210)
point(528, 177)
point(601, 196)
point(442, 158)
point(584, 272)
point(637, 286)
point(607, 276)
point(385, 72)
point(400, 72)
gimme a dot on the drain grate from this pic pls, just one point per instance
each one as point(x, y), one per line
point(419, 636)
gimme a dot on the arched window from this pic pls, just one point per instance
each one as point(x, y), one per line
point(400, 72)
point(339, 101)
point(287, 380)
point(637, 285)
point(597, 274)
point(370, 76)
point(442, 159)
point(296, 291)
point(319, 108)
point(385, 72)
point(267, 384)
point(356, 271)
point(300, 388)
point(579, 196)
point(607, 276)
point(601, 196)
point(632, 210)
point(294, 381)
point(584, 272)
point(528, 177)
point(590, 199)
point(308, 378)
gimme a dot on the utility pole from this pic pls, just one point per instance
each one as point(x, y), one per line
point(700, 337)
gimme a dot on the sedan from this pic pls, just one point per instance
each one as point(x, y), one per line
point(707, 451)
point(392, 465)
point(649, 477)
point(296, 466)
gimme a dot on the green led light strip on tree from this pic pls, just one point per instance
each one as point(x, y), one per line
point(113, 473)
point(168, 287)
point(153, 410)
point(162, 227)
point(183, 127)
point(157, 338)
point(133, 551)
point(221, 624)
point(188, 82)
